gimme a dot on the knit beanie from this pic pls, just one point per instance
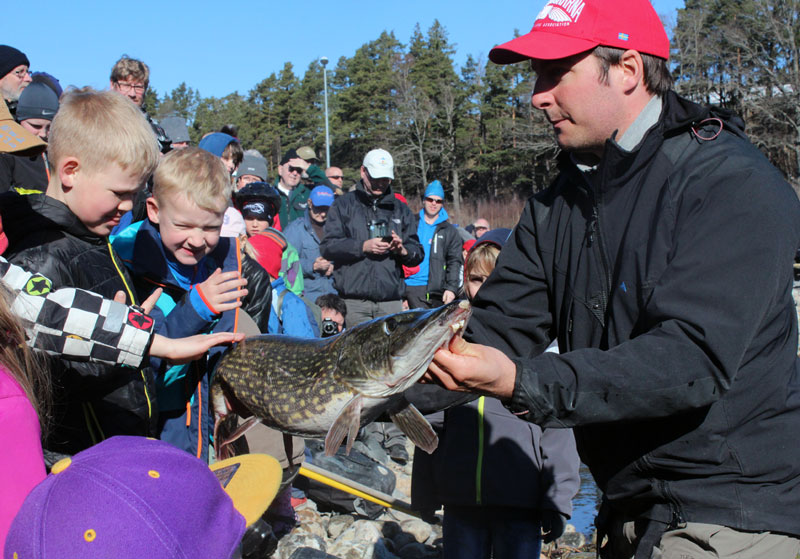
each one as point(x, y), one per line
point(435, 189)
point(37, 101)
point(216, 143)
point(10, 58)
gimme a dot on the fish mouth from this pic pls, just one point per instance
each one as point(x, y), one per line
point(415, 357)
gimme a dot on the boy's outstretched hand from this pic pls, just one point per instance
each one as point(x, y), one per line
point(185, 350)
point(467, 367)
point(223, 291)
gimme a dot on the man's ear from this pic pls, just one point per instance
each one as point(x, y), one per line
point(632, 67)
point(152, 209)
point(68, 169)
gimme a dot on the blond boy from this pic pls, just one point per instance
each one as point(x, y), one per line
point(179, 249)
point(101, 151)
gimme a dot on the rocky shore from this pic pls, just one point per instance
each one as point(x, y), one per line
point(393, 535)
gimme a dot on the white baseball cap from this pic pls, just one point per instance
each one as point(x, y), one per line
point(379, 164)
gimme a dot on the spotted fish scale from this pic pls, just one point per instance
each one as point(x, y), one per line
point(330, 387)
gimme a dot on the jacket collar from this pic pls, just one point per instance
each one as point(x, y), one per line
point(23, 213)
point(678, 116)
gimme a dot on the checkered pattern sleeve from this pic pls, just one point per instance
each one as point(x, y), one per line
point(75, 323)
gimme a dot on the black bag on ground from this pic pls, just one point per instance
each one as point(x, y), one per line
point(357, 467)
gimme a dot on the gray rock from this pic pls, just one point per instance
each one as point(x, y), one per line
point(575, 540)
point(419, 529)
point(339, 524)
point(360, 533)
point(297, 540)
point(436, 535)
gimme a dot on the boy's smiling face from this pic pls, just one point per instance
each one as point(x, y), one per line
point(188, 232)
point(98, 198)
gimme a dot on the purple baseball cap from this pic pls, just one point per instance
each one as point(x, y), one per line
point(321, 196)
point(132, 497)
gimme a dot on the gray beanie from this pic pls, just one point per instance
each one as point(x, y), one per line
point(253, 165)
point(37, 101)
point(176, 129)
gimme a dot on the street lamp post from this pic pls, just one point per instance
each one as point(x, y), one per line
point(324, 62)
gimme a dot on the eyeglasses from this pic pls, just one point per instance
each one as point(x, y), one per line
point(434, 200)
point(22, 73)
point(136, 87)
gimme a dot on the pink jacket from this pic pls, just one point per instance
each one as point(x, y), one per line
point(22, 466)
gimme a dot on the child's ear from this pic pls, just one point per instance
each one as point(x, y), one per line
point(152, 209)
point(68, 169)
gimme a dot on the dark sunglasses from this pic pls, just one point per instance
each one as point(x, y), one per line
point(434, 201)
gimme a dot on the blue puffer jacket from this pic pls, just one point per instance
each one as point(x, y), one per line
point(183, 390)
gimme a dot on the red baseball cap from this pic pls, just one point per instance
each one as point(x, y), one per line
point(567, 27)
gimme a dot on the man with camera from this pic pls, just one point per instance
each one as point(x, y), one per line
point(369, 236)
point(334, 314)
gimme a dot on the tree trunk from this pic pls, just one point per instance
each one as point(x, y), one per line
point(456, 192)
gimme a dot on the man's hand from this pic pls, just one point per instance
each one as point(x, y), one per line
point(467, 367)
point(448, 296)
point(396, 245)
point(322, 265)
point(300, 163)
point(222, 291)
point(185, 350)
point(553, 524)
point(375, 246)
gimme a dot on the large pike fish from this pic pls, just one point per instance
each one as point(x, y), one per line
point(330, 387)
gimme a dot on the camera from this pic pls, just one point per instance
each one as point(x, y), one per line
point(329, 328)
point(379, 228)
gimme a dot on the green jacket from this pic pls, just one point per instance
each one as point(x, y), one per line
point(294, 204)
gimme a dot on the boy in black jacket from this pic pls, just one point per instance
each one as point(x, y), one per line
point(101, 151)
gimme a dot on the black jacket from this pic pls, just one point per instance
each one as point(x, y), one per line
point(668, 284)
point(92, 401)
point(446, 263)
point(23, 171)
point(367, 276)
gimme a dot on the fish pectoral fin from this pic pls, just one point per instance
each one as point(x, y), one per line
point(345, 425)
point(222, 448)
point(411, 422)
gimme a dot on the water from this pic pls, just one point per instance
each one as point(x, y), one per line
point(585, 503)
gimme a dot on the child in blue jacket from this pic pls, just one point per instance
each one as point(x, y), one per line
point(179, 249)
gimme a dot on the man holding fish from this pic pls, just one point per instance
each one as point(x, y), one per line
point(661, 260)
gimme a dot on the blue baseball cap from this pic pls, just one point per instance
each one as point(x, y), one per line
point(321, 196)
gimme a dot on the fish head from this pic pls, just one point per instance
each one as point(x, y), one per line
point(387, 355)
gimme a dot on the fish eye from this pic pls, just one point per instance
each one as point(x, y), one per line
point(389, 326)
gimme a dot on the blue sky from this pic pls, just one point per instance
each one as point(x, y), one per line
point(222, 47)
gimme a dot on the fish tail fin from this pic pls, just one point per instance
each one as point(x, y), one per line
point(345, 425)
point(411, 422)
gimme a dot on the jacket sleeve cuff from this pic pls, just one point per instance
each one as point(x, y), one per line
point(200, 304)
point(521, 403)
